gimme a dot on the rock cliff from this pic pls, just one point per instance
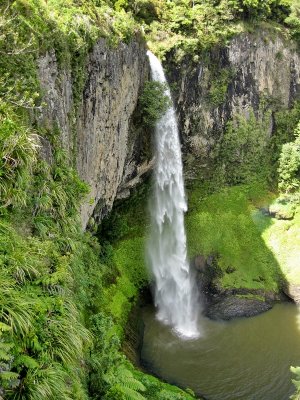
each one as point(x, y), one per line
point(103, 137)
point(100, 134)
point(261, 67)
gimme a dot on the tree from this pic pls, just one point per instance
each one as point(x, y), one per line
point(289, 165)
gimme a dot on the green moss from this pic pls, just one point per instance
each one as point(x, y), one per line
point(158, 390)
point(126, 230)
point(219, 87)
point(222, 224)
point(128, 259)
point(250, 297)
point(153, 102)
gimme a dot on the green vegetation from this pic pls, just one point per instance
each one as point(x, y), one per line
point(296, 371)
point(293, 20)
point(43, 335)
point(222, 224)
point(247, 151)
point(242, 149)
point(66, 295)
point(219, 87)
point(282, 238)
point(154, 102)
point(289, 165)
point(189, 27)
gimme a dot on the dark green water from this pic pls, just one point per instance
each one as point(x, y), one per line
point(244, 359)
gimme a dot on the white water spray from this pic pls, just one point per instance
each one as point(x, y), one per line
point(176, 296)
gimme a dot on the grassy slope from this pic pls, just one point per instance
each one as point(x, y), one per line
point(262, 252)
point(222, 224)
point(282, 238)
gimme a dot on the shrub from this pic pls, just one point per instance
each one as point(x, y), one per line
point(243, 149)
point(219, 87)
point(289, 165)
point(154, 102)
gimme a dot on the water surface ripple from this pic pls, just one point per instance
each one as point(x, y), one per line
point(244, 359)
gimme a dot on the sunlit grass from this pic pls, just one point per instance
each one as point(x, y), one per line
point(283, 238)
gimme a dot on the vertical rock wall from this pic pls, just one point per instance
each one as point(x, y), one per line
point(100, 138)
point(253, 68)
point(104, 138)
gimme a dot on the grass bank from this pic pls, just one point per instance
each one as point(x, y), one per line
point(221, 224)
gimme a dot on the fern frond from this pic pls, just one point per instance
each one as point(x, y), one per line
point(129, 394)
point(8, 375)
point(27, 361)
point(134, 384)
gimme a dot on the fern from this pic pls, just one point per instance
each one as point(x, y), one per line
point(129, 393)
point(26, 361)
point(8, 375)
point(4, 351)
point(122, 381)
point(4, 328)
point(47, 383)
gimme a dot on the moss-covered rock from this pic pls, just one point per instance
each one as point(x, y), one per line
point(235, 306)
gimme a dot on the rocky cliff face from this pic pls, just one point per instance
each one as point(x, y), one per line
point(254, 68)
point(101, 138)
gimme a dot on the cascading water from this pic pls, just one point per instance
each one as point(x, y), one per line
point(176, 296)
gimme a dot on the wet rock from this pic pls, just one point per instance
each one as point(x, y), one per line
point(234, 306)
point(206, 270)
point(200, 263)
point(220, 303)
point(134, 330)
point(265, 210)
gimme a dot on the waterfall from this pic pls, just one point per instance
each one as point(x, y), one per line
point(176, 295)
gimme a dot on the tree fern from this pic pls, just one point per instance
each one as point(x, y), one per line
point(123, 382)
point(129, 393)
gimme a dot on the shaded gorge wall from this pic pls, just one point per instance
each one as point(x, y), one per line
point(100, 125)
point(257, 72)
